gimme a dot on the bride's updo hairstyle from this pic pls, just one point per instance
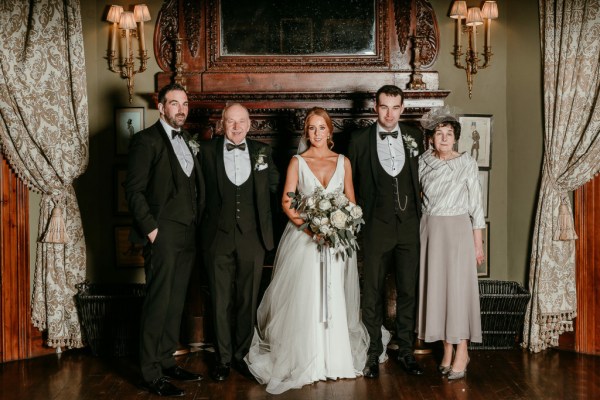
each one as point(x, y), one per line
point(323, 114)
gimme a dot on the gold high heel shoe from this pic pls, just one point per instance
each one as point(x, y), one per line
point(445, 369)
point(458, 374)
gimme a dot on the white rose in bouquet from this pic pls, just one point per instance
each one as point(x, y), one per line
point(324, 221)
point(355, 211)
point(326, 230)
point(310, 202)
point(339, 219)
point(340, 200)
point(324, 205)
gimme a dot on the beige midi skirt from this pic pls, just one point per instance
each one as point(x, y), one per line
point(448, 287)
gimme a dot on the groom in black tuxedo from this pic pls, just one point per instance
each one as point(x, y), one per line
point(165, 193)
point(236, 230)
point(385, 167)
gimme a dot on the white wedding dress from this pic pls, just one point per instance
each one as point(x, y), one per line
point(308, 323)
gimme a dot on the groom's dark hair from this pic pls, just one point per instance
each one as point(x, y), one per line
point(169, 88)
point(390, 90)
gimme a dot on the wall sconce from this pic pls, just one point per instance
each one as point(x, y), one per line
point(473, 18)
point(127, 24)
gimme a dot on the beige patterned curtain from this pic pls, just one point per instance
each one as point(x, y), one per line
point(44, 136)
point(571, 52)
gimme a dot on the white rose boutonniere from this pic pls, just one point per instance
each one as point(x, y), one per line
point(411, 145)
point(260, 161)
point(193, 144)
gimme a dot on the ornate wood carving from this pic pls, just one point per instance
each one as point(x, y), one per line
point(165, 34)
point(196, 14)
point(191, 17)
point(427, 27)
point(587, 225)
point(402, 17)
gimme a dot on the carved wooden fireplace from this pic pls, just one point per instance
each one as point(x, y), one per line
point(281, 61)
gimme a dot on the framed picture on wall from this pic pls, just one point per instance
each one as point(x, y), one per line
point(476, 138)
point(483, 270)
point(128, 121)
point(120, 202)
point(127, 253)
point(484, 178)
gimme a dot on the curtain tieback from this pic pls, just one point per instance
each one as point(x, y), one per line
point(56, 232)
point(565, 230)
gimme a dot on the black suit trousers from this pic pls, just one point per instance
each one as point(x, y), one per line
point(168, 265)
point(391, 245)
point(234, 267)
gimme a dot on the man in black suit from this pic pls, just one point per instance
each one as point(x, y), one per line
point(165, 193)
point(385, 167)
point(236, 230)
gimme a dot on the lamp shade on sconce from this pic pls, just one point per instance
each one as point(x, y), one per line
point(474, 17)
point(114, 14)
point(127, 20)
point(489, 10)
point(459, 9)
point(141, 13)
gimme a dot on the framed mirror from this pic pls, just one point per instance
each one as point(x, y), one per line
point(310, 34)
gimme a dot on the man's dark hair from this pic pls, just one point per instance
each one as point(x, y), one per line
point(169, 88)
point(390, 90)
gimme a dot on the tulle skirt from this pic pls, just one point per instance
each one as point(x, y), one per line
point(308, 323)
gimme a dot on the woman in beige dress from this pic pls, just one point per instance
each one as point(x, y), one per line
point(451, 244)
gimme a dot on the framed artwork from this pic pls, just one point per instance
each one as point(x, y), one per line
point(483, 270)
point(120, 202)
point(127, 253)
point(128, 121)
point(484, 178)
point(476, 138)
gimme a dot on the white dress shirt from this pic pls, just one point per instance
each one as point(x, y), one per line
point(182, 151)
point(237, 163)
point(391, 151)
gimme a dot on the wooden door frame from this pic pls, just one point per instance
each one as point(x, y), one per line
point(587, 214)
point(18, 338)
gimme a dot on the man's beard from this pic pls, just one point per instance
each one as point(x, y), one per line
point(174, 121)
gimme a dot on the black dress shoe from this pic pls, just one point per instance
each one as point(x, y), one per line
point(162, 387)
point(410, 365)
point(220, 372)
point(181, 374)
point(372, 367)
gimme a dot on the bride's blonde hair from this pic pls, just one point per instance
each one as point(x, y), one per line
point(320, 112)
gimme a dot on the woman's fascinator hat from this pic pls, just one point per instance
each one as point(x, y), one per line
point(438, 115)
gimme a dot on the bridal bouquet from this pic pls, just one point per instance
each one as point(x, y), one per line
point(331, 217)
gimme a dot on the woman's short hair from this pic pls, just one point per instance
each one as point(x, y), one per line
point(454, 124)
point(318, 111)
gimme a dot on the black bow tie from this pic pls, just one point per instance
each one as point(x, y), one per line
point(175, 133)
point(394, 134)
point(231, 146)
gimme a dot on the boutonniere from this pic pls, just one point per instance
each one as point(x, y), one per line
point(193, 144)
point(411, 145)
point(260, 160)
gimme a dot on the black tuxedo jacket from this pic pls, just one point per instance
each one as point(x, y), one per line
point(151, 178)
point(362, 152)
point(265, 183)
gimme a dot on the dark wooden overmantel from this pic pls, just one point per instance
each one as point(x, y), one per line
point(278, 87)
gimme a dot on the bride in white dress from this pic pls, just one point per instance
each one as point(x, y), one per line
point(294, 344)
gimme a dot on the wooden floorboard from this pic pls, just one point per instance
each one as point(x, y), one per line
point(503, 374)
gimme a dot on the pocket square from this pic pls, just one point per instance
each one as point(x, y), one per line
point(261, 167)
